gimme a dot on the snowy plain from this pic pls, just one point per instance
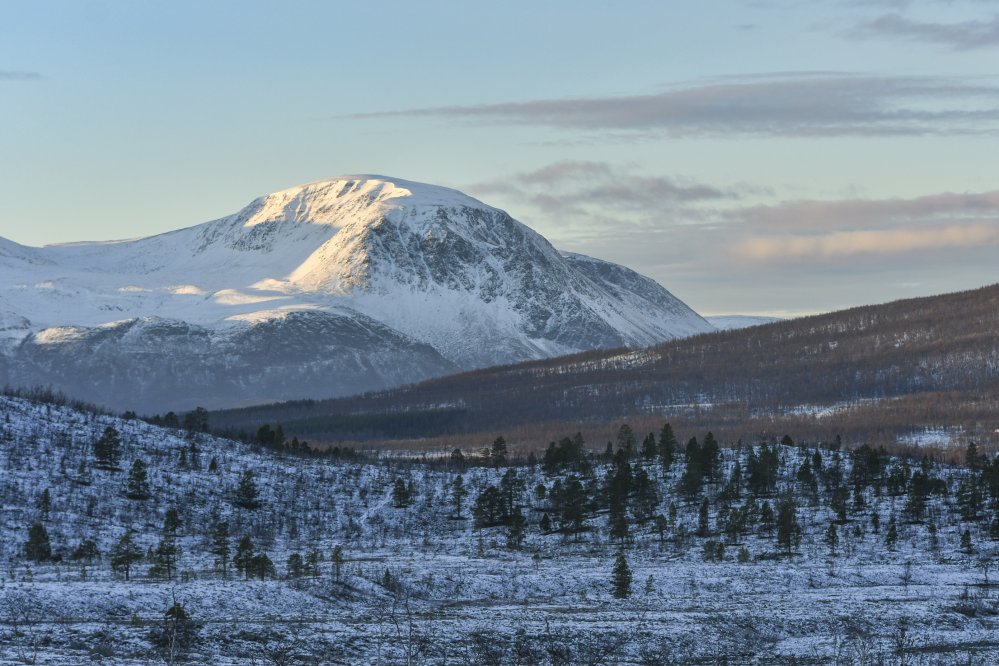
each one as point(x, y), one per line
point(418, 586)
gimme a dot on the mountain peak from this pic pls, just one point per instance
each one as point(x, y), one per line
point(332, 200)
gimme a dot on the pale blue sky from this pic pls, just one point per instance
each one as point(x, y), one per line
point(759, 157)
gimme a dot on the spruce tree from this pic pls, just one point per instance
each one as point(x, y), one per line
point(621, 577)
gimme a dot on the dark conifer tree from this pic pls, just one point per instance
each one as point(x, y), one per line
point(137, 487)
point(243, 559)
point(667, 447)
point(125, 554)
point(220, 547)
point(649, 448)
point(38, 548)
point(498, 453)
point(107, 449)
point(400, 494)
point(517, 529)
point(247, 496)
point(458, 494)
point(621, 577)
point(891, 536)
point(788, 529)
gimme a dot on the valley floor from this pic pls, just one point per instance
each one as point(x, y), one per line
point(419, 587)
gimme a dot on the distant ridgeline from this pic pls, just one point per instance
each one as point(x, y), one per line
point(884, 371)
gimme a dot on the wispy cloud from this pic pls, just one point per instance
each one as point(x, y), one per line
point(881, 242)
point(836, 229)
point(811, 104)
point(871, 213)
point(13, 75)
point(587, 188)
point(961, 36)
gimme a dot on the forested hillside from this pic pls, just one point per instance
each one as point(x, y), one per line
point(937, 359)
point(136, 544)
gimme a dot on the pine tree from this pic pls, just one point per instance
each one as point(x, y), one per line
point(458, 494)
point(243, 559)
point(515, 533)
point(165, 557)
point(621, 578)
point(891, 536)
point(510, 488)
point(498, 453)
point(124, 554)
point(832, 538)
point(171, 521)
point(646, 497)
point(45, 503)
point(667, 447)
point(337, 560)
point(137, 487)
point(649, 449)
point(107, 449)
point(767, 518)
point(788, 529)
point(220, 547)
point(38, 548)
point(263, 567)
point(400, 494)
point(702, 519)
point(312, 559)
point(966, 546)
point(572, 509)
point(294, 566)
point(626, 441)
point(545, 524)
point(617, 520)
point(247, 495)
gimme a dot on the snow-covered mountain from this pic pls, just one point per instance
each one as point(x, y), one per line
point(335, 287)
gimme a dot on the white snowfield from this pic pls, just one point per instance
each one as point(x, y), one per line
point(432, 265)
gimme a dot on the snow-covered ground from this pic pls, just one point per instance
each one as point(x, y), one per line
point(420, 587)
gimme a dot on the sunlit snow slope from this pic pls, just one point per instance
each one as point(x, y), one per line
point(389, 282)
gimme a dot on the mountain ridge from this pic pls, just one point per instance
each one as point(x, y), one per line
point(431, 265)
